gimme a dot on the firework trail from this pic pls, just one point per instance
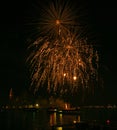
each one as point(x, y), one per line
point(61, 59)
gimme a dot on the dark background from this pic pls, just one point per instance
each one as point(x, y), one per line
point(13, 71)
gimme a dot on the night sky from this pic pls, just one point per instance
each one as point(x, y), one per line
point(13, 70)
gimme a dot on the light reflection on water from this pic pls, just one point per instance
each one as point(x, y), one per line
point(42, 120)
point(32, 120)
point(59, 118)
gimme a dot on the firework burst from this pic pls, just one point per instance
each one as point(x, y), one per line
point(57, 18)
point(61, 59)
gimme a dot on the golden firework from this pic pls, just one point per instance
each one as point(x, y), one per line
point(61, 60)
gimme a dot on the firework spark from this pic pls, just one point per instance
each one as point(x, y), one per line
point(60, 58)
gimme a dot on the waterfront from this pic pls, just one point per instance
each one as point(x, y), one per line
point(41, 119)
